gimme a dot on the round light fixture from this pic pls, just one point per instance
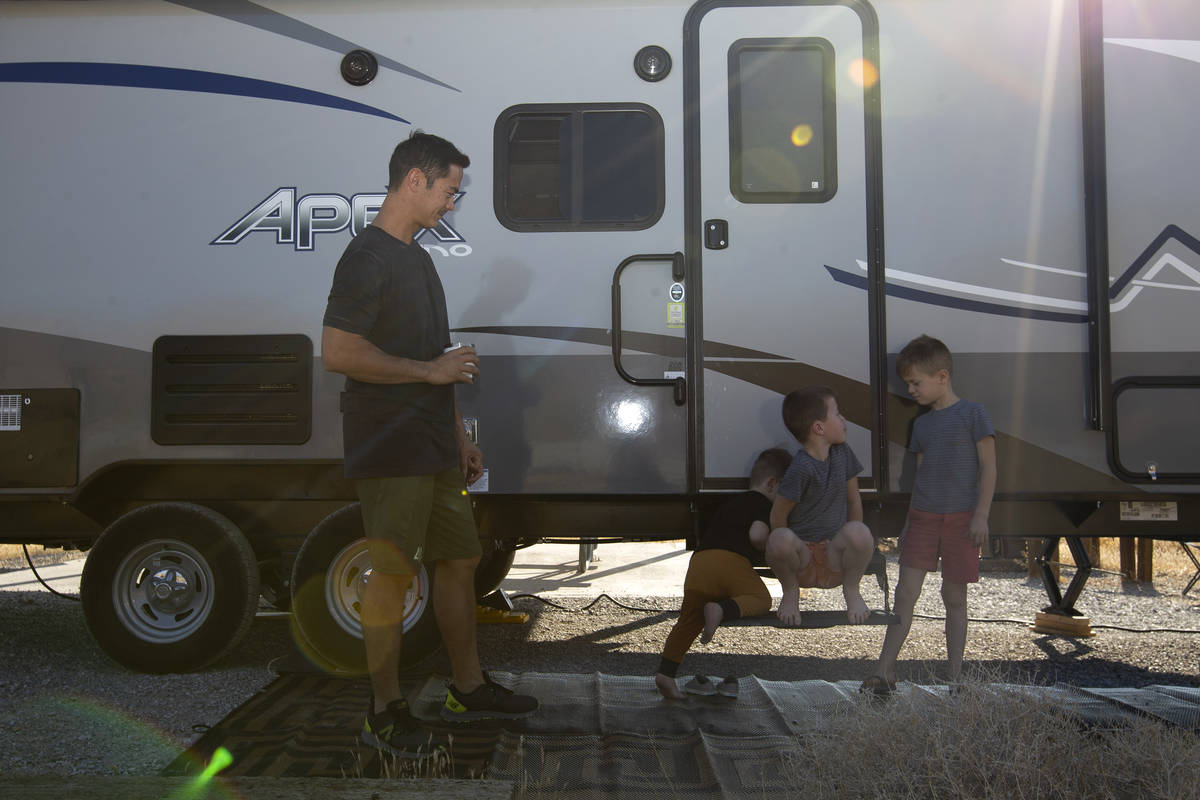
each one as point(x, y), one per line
point(359, 67)
point(652, 63)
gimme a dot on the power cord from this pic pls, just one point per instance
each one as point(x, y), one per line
point(1106, 627)
point(1023, 622)
point(49, 588)
point(602, 596)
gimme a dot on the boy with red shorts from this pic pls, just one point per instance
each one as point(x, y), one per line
point(721, 584)
point(817, 537)
point(955, 445)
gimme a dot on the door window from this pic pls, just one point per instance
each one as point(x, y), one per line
point(782, 123)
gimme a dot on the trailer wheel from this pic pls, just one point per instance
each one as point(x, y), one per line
point(328, 579)
point(494, 564)
point(169, 587)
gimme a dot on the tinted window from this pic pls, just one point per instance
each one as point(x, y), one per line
point(782, 125)
point(579, 167)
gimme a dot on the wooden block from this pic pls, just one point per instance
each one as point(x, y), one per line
point(1128, 558)
point(496, 615)
point(1058, 624)
point(1145, 560)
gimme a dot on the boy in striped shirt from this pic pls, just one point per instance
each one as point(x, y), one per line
point(955, 445)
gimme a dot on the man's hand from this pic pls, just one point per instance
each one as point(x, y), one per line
point(459, 365)
point(470, 459)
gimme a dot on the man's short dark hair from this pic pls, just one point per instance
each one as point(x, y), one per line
point(431, 154)
point(925, 354)
point(803, 407)
point(770, 464)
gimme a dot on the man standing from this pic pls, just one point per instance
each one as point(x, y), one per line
point(385, 329)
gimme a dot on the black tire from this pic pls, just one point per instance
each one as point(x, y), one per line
point(494, 564)
point(327, 582)
point(169, 587)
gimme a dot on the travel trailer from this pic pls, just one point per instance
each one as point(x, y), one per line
point(675, 213)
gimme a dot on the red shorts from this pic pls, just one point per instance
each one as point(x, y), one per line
point(818, 574)
point(946, 535)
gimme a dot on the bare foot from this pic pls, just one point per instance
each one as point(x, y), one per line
point(713, 614)
point(856, 609)
point(789, 608)
point(667, 687)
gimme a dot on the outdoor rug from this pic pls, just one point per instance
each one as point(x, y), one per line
point(596, 736)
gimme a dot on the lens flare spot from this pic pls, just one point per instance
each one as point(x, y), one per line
point(863, 72)
point(802, 135)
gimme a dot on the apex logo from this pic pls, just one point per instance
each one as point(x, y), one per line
point(297, 222)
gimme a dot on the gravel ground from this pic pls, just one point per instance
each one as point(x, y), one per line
point(66, 709)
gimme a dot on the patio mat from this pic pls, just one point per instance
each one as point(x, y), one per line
point(590, 731)
point(596, 736)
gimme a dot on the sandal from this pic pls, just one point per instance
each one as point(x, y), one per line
point(700, 685)
point(878, 686)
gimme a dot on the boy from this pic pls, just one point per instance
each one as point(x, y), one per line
point(817, 535)
point(955, 446)
point(721, 584)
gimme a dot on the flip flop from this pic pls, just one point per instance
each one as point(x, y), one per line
point(728, 687)
point(700, 685)
point(878, 686)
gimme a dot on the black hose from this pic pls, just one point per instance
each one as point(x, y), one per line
point(49, 588)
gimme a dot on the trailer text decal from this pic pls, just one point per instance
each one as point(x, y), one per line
point(297, 222)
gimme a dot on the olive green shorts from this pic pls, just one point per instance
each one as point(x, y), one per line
point(419, 518)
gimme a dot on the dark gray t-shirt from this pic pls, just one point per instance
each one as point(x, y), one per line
point(818, 488)
point(389, 292)
point(948, 479)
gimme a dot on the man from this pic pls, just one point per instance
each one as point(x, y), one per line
point(385, 329)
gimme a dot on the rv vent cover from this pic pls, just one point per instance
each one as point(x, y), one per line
point(10, 412)
point(232, 389)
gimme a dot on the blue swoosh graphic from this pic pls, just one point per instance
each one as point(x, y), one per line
point(933, 298)
point(185, 80)
point(245, 12)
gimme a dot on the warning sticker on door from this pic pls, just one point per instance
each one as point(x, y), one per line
point(674, 315)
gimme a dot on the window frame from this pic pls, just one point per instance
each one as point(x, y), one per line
point(829, 118)
point(500, 167)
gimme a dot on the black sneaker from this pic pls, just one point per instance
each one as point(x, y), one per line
point(489, 701)
point(395, 730)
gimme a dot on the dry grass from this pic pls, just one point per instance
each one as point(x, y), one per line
point(11, 556)
point(991, 742)
point(1169, 558)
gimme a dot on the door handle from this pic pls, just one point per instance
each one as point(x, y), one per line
point(677, 272)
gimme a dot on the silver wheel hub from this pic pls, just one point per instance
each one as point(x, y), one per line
point(163, 591)
point(168, 590)
point(346, 580)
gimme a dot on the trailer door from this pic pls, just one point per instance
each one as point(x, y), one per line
point(778, 222)
point(1151, 68)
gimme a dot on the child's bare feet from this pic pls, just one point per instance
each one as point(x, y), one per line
point(856, 608)
point(713, 614)
point(789, 607)
point(667, 687)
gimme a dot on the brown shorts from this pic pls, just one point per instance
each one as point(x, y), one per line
point(930, 536)
point(422, 518)
point(818, 574)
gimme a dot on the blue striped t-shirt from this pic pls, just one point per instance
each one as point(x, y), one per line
point(948, 479)
point(818, 488)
